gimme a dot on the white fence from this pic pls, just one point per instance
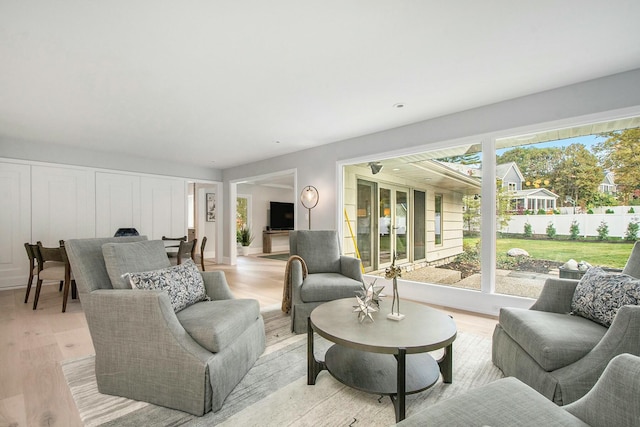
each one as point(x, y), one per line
point(587, 223)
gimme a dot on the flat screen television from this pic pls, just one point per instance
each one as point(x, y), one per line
point(281, 216)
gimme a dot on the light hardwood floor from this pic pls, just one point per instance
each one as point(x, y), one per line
point(33, 391)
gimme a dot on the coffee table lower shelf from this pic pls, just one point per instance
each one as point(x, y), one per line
point(378, 373)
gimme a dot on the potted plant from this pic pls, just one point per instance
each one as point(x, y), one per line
point(244, 239)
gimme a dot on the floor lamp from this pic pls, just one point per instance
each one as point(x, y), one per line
point(309, 198)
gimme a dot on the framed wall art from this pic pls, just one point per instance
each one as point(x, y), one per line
point(211, 207)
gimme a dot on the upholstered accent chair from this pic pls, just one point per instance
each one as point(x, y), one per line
point(188, 360)
point(559, 353)
point(330, 275)
point(613, 401)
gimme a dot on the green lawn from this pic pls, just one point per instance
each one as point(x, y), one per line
point(603, 254)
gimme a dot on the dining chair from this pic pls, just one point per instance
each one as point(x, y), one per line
point(186, 250)
point(33, 267)
point(172, 245)
point(202, 245)
point(69, 281)
point(51, 266)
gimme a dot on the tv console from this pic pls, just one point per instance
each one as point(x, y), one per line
point(266, 238)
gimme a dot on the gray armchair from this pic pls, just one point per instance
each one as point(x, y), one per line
point(330, 276)
point(613, 401)
point(190, 360)
point(559, 354)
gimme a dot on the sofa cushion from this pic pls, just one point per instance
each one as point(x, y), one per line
point(182, 282)
point(133, 257)
point(599, 295)
point(216, 324)
point(553, 340)
point(320, 251)
point(328, 286)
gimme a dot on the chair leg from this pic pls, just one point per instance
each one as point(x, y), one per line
point(202, 261)
point(74, 290)
point(61, 284)
point(35, 300)
point(65, 295)
point(26, 297)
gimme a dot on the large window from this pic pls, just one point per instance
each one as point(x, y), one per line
point(568, 220)
point(562, 198)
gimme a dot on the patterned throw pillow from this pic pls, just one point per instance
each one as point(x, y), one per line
point(599, 295)
point(182, 282)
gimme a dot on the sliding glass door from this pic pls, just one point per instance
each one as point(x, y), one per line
point(393, 230)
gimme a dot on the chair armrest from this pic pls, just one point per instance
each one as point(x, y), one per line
point(350, 267)
point(623, 336)
point(215, 283)
point(556, 296)
point(121, 319)
point(608, 402)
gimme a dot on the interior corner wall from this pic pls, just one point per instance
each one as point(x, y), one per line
point(318, 166)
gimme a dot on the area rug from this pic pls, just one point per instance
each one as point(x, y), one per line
point(275, 391)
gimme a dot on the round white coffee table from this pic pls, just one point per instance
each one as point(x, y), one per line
point(385, 356)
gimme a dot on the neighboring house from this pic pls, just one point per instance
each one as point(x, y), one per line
point(531, 199)
point(608, 185)
point(414, 212)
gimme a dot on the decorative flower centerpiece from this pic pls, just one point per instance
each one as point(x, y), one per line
point(368, 299)
point(393, 272)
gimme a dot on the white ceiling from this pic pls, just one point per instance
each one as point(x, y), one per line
point(217, 83)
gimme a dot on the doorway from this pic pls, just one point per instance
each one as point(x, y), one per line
point(383, 224)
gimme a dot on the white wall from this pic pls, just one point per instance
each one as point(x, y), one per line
point(52, 202)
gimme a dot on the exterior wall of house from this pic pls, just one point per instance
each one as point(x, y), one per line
point(452, 223)
point(512, 176)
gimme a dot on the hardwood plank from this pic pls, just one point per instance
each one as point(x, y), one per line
point(12, 412)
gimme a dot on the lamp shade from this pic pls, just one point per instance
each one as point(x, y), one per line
point(309, 197)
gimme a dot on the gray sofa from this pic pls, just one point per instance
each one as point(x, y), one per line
point(190, 360)
point(508, 402)
point(331, 275)
point(559, 354)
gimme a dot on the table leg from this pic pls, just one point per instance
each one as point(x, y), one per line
point(446, 364)
point(313, 366)
point(400, 397)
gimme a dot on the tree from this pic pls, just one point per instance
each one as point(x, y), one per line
point(503, 205)
point(536, 164)
point(620, 155)
point(578, 175)
point(471, 214)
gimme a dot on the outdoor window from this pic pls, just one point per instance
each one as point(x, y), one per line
point(438, 219)
point(419, 224)
point(242, 212)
